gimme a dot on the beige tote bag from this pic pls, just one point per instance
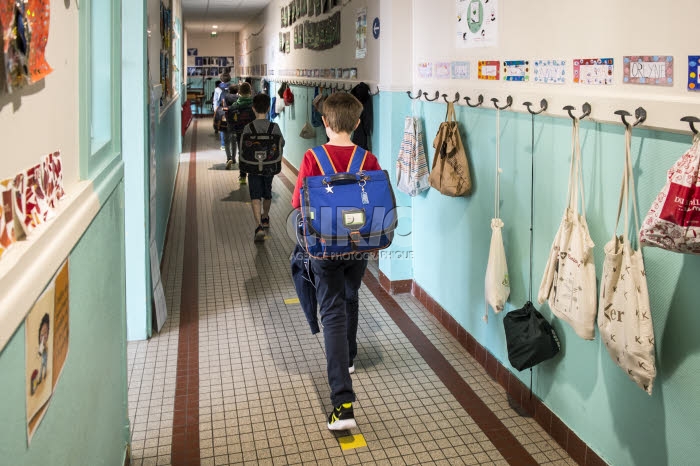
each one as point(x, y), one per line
point(450, 174)
point(624, 316)
point(569, 282)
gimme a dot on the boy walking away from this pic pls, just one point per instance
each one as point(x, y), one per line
point(261, 158)
point(338, 279)
point(238, 115)
point(219, 91)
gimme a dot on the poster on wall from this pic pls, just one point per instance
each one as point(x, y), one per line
point(361, 33)
point(461, 70)
point(489, 70)
point(442, 70)
point(425, 70)
point(652, 70)
point(516, 70)
point(192, 52)
point(46, 347)
point(596, 71)
point(694, 72)
point(477, 23)
point(550, 71)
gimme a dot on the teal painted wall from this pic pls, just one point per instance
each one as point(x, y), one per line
point(86, 421)
point(168, 148)
point(582, 385)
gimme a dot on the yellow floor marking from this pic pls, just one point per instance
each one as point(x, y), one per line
point(291, 301)
point(352, 441)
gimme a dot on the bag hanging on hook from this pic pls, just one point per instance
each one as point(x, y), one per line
point(308, 131)
point(624, 315)
point(411, 164)
point(569, 280)
point(450, 173)
point(497, 283)
point(673, 221)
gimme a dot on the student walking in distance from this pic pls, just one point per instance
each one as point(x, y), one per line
point(268, 139)
point(238, 115)
point(338, 279)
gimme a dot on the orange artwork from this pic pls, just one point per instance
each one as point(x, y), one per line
point(38, 12)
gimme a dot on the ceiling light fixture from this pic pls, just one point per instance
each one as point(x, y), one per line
point(215, 27)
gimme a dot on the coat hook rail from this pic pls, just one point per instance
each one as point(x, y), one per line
point(414, 98)
point(437, 96)
point(509, 102)
point(479, 101)
point(691, 120)
point(640, 114)
point(444, 96)
point(543, 107)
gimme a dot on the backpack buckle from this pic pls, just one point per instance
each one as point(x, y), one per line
point(355, 237)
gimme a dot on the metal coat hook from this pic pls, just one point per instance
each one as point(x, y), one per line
point(376, 93)
point(691, 120)
point(586, 111)
point(437, 96)
point(414, 98)
point(479, 101)
point(640, 114)
point(543, 106)
point(444, 96)
point(509, 102)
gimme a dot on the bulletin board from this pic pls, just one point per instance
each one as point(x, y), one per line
point(530, 33)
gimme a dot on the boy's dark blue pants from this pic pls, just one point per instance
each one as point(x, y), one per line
point(337, 284)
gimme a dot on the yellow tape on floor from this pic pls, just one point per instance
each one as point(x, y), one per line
point(291, 301)
point(352, 441)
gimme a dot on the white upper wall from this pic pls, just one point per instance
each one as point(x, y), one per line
point(223, 45)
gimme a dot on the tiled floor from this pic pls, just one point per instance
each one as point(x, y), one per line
point(263, 392)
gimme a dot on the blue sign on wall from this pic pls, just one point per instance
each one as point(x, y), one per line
point(375, 28)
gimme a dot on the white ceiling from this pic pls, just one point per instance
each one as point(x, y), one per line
point(229, 15)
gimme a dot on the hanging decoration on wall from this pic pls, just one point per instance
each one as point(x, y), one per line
point(477, 23)
point(38, 15)
point(489, 70)
point(516, 70)
point(693, 72)
point(361, 33)
point(442, 70)
point(596, 71)
point(7, 218)
point(425, 70)
point(322, 35)
point(550, 71)
point(287, 42)
point(650, 70)
point(461, 70)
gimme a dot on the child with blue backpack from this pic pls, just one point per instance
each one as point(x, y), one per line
point(338, 279)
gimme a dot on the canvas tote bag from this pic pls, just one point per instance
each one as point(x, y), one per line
point(450, 173)
point(673, 222)
point(411, 165)
point(569, 282)
point(497, 286)
point(624, 315)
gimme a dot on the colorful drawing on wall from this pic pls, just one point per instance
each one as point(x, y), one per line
point(694, 72)
point(461, 70)
point(7, 218)
point(489, 70)
point(425, 70)
point(52, 178)
point(516, 70)
point(361, 33)
point(442, 70)
point(596, 71)
point(550, 71)
point(35, 205)
point(16, 43)
point(192, 52)
point(46, 347)
point(477, 23)
point(38, 15)
point(655, 70)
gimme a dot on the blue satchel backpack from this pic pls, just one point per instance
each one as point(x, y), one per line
point(345, 213)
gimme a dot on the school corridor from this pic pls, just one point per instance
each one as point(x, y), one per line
point(236, 377)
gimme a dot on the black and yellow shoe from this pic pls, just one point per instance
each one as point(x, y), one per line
point(342, 418)
point(242, 179)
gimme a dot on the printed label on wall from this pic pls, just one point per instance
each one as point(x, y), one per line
point(650, 70)
point(596, 71)
point(694, 72)
point(489, 70)
point(460, 70)
point(516, 70)
point(442, 70)
point(425, 70)
point(550, 71)
point(477, 23)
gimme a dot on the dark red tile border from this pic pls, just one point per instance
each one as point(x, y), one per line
point(487, 421)
point(396, 286)
point(185, 440)
point(565, 437)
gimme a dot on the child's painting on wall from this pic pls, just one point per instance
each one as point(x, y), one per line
point(39, 357)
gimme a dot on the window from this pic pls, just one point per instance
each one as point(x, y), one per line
point(100, 84)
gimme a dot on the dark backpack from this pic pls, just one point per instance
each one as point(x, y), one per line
point(529, 337)
point(260, 152)
point(239, 116)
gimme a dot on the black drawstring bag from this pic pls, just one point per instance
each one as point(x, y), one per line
point(529, 337)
